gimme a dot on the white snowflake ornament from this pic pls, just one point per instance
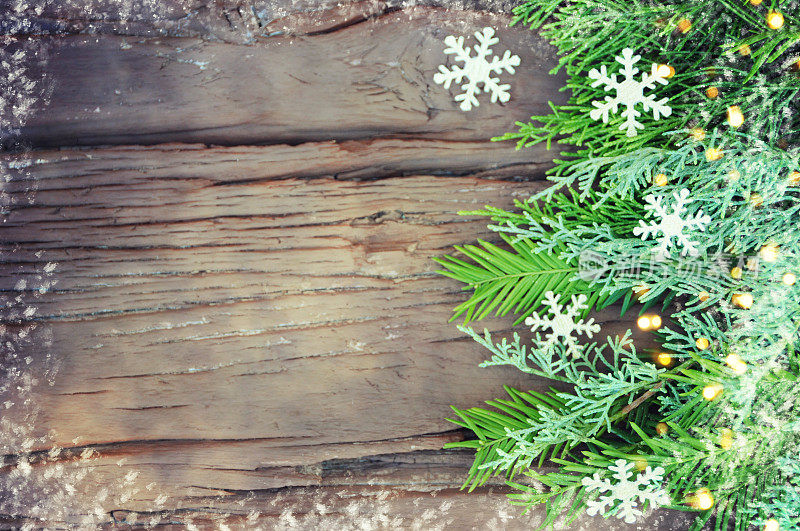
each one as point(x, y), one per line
point(645, 488)
point(671, 224)
point(476, 69)
point(562, 325)
point(629, 92)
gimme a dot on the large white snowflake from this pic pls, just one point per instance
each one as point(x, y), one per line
point(646, 487)
point(672, 224)
point(562, 325)
point(476, 69)
point(629, 92)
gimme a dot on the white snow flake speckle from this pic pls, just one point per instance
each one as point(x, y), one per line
point(672, 224)
point(629, 93)
point(562, 325)
point(476, 69)
point(645, 488)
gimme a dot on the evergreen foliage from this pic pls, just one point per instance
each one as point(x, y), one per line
point(716, 405)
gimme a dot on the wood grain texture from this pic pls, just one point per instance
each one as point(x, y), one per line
point(234, 21)
point(241, 324)
point(363, 80)
point(316, 288)
point(238, 319)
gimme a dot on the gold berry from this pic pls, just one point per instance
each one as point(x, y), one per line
point(735, 116)
point(726, 440)
point(775, 20)
point(743, 300)
point(713, 154)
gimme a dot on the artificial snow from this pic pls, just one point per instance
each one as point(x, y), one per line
point(671, 224)
point(628, 493)
point(476, 69)
point(562, 323)
point(629, 93)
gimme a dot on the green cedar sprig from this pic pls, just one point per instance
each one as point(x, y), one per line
point(710, 423)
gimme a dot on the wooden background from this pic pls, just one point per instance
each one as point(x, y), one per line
point(237, 205)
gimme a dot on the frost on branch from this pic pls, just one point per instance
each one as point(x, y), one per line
point(476, 69)
point(629, 494)
point(672, 224)
point(629, 93)
point(562, 323)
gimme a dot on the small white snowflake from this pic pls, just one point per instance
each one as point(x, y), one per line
point(562, 325)
point(629, 92)
point(476, 69)
point(629, 493)
point(672, 225)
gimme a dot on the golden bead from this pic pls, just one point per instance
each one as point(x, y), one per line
point(743, 300)
point(703, 296)
point(726, 440)
point(711, 391)
point(665, 71)
point(713, 154)
point(794, 178)
point(736, 272)
point(702, 343)
point(698, 133)
point(744, 49)
point(736, 363)
point(664, 359)
point(775, 20)
point(734, 175)
point(660, 179)
point(772, 524)
point(769, 253)
point(662, 428)
point(755, 2)
point(712, 92)
point(649, 322)
point(789, 279)
point(756, 200)
point(684, 25)
point(735, 116)
point(703, 500)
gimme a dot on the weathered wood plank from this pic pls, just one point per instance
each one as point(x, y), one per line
point(368, 79)
point(179, 294)
point(412, 486)
point(233, 21)
point(233, 320)
point(254, 336)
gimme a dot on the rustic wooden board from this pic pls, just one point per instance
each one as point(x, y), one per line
point(220, 252)
point(235, 21)
point(372, 78)
point(269, 289)
point(225, 326)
